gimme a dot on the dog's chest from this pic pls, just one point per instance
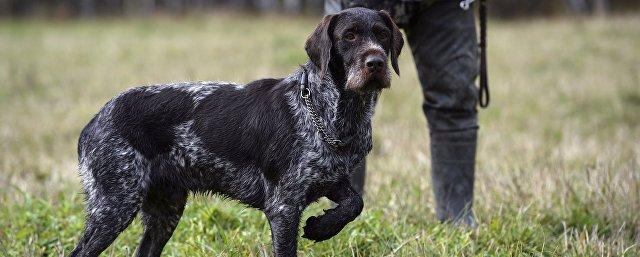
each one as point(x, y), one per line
point(330, 166)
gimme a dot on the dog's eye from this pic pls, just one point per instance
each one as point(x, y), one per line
point(383, 35)
point(350, 36)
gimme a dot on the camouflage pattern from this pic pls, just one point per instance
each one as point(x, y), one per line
point(400, 10)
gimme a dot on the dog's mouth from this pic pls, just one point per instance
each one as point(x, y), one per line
point(362, 80)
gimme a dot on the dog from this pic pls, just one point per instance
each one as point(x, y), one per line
point(277, 145)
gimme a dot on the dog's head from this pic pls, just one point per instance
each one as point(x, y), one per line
point(354, 45)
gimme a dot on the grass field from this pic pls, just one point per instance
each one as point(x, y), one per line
point(558, 170)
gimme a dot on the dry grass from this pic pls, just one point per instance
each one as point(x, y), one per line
point(558, 162)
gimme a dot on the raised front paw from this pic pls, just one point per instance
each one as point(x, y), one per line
point(319, 229)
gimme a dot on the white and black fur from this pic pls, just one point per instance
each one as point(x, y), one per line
point(150, 146)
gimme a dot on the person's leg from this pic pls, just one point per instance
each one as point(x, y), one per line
point(444, 46)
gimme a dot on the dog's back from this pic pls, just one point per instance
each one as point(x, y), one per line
point(200, 136)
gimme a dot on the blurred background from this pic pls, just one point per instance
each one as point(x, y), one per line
point(94, 8)
point(558, 165)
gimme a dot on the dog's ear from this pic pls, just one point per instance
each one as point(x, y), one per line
point(396, 39)
point(318, 45)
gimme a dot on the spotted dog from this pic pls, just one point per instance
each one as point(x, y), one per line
point(273, 144)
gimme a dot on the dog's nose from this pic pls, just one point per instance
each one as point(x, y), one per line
point(374, 63)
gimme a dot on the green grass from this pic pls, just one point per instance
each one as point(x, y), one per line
point(558, 170)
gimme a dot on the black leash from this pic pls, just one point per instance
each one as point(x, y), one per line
point(483, 95)
point(305, 93)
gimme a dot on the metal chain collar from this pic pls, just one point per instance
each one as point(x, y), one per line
point(318, 123)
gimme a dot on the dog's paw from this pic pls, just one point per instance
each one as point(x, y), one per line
point(315, 230)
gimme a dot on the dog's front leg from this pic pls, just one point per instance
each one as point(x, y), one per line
point(349, 205)
point(284, 220)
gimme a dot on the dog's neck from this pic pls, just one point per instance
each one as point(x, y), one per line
point(346, 114)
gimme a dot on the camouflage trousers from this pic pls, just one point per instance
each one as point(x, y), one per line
point(401, 10)
point(442, 38)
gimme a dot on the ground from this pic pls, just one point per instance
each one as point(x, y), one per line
point(558, 170)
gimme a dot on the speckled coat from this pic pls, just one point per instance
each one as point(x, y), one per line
point(150, 146)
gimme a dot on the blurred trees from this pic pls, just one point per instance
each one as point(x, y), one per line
point(592, 6)
point(515, 8)
point(91, 8)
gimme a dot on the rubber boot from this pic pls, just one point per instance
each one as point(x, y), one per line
point(358, 177)
point(453, 157)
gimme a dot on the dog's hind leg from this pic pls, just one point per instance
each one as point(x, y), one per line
point(107, 218)
point(104, 226)
point(115, 189)
point(161, 212)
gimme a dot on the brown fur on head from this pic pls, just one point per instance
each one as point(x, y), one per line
point(354, 46)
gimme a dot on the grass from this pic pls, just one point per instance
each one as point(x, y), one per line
point(558, 170)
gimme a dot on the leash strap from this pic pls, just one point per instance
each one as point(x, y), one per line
point(483, 96)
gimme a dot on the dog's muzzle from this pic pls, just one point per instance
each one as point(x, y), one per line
point(370, 72)
point(375, 71)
